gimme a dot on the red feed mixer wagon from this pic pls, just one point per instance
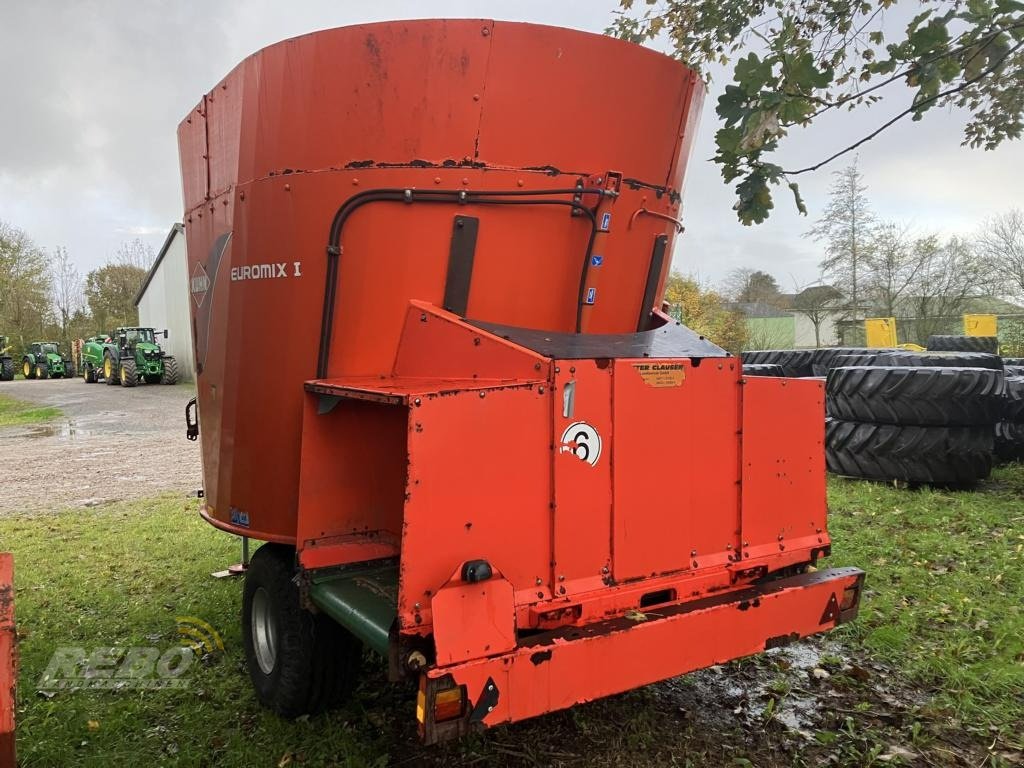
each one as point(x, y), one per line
point(427, 265)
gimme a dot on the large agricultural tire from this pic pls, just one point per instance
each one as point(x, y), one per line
point(794, 362)
point(300, 663)
point(1013, 404)
point(988, 344)
point(912, 454)
point(845, 361)
point(763, 369)
point(941, 397)
point(170, 371)
point(823, 358)
point(126, 371)
point(1013, 370)
point(6, 369)
point(1013, 361)
point(88, 374)
point(28, 369)
point(1009, 441)
point(42, 371)
point(110, 369)
point(941, 359)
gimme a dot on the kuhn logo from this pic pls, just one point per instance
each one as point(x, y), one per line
point(199, 284)
point(582, 441)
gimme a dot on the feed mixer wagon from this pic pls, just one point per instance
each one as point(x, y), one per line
point(426, 263)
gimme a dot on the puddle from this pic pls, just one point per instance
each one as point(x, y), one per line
point(67, 430)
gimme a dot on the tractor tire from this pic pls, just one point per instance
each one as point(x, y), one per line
point(127, 373)
point(937, 455)
point(795, 362)
point(88, 374)
point(110, 369)
point(170, 371)
point(42, 371)
point(940, 359)
point(28, 370)
point(901, 395)
point(300, 662)
point(6, 369)
point(1013, 361)
point(1013, 404)
point(1009, 441)
point(69, 371)
point(823, 358)
point(846, 361)
point(988, 344)
point(763, 369)
point(1013, 370)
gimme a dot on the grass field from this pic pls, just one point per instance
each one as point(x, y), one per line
point(17, 412)
point(932, 673)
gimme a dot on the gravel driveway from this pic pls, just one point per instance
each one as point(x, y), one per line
point(111, 443)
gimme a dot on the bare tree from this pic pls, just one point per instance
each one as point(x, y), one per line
point(65, 289)
point(895, 262)
point(817, 303)
point(845, 229)
point(134, 253)
point(951, 273)
point(1001, 243)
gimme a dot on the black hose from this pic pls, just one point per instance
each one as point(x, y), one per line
point(447, 196)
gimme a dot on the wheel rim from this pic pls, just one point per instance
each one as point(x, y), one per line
point(26, 370)
point(264, 631)
point(106, 368)
point(39, 372)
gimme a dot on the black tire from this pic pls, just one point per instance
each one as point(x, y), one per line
point(28, 369)
point(942, 397)
point(845, 361)
point(42, 371)
point(6, 369)
point(1013, 361)
point(936, 455)
point(69, 371)
point(988, 344)
point(316, 663)
point(794, 362)
point(126, 372)
point(763, 369)
point(170, 371)
point(824, 358)
point(1013, 370)
point(1013, 404)
point(112, 378)
point(88, 374)
point(1009, 441)
point(941, 359)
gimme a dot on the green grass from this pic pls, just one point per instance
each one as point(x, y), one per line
point(942, 613)
point(17, 412)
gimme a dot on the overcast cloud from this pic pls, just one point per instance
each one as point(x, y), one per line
point(92, 93)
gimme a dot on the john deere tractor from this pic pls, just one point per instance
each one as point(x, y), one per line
point(43, 360)
point(6, 361)
point(127, 357)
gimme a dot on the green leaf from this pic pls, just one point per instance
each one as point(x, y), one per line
point(728, 140)
point(732, 105)
point(751, 73)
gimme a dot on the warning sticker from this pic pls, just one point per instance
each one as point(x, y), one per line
point(661, 374)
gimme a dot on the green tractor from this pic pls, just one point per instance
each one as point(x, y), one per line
point(6, 361)
point(43, 360)
point(128, 357)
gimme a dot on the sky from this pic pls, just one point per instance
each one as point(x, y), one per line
point(92, 92)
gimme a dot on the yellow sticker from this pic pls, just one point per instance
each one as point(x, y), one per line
point(661, 374)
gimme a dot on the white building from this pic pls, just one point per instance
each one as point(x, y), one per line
point(163, 301)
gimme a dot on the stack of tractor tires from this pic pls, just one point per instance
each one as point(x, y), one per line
point(763, 369)
point(915, 424)
point(794, 363)
point(1009, 430)
point(988, 344)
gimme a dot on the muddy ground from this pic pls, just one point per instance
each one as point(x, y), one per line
point(111, 443)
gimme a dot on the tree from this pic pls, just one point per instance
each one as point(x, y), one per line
point(817, 57)
point(951, 273)
point(135, 253)
point(24, 285)
point(110, 291)
point(66, 290)
point(817, 303)
point(846, 230)
point(750, 286)
point(704, 312)
point(1001, 242)
point(894, 263)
